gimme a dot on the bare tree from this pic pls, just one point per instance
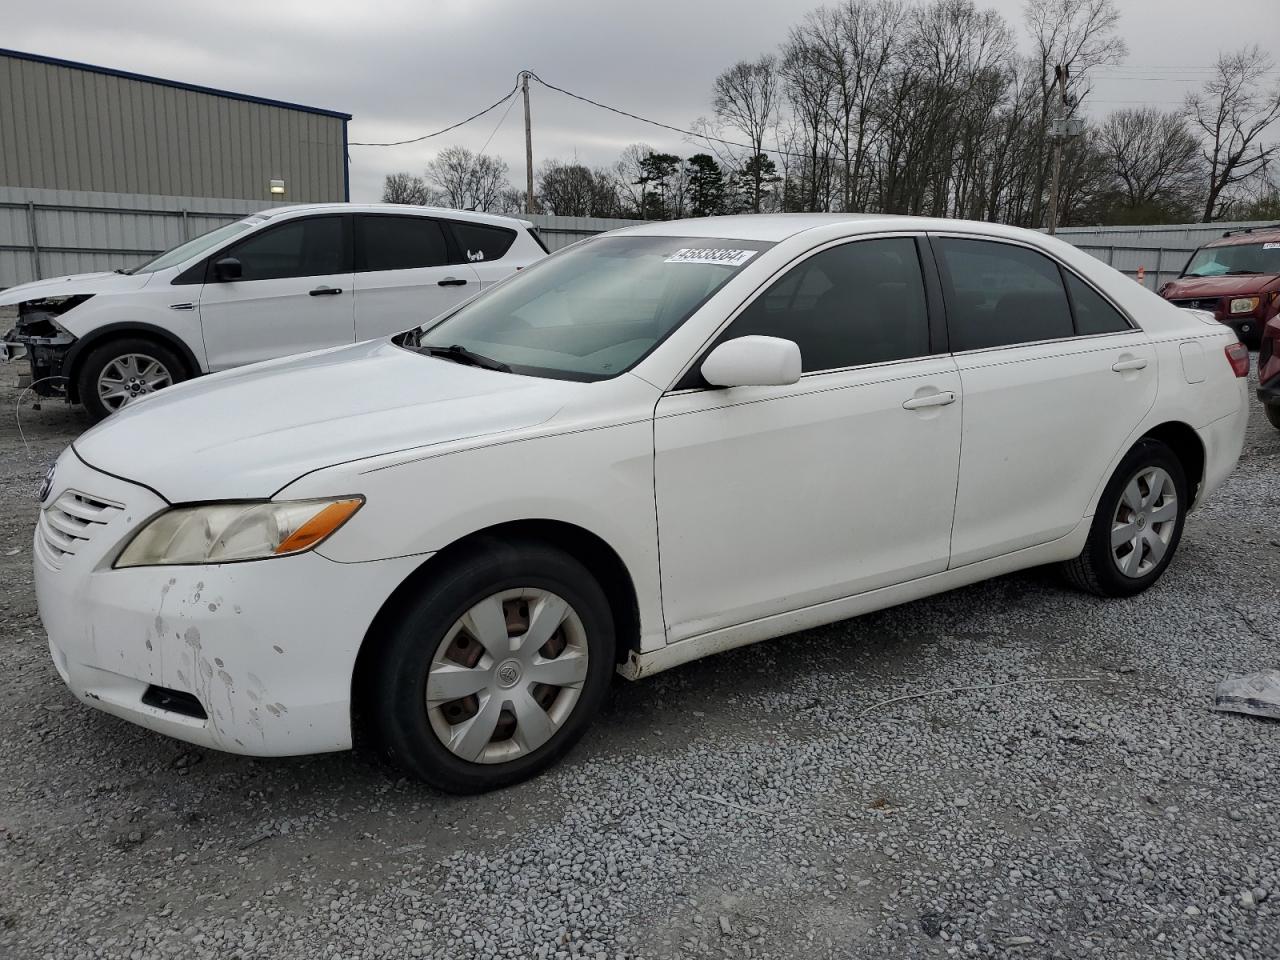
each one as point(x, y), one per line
point(1077, 34)
point(1155, 160)
point(745, 100)
point(465, 181)
point(631, 179)
point(566, 189)
point(404, 188)
point(1233, 113)
point(856, 42)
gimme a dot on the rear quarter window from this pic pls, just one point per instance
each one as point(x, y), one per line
point(480, 243)
point(1093, 314)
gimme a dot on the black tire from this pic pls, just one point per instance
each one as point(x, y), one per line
point(1273, 414)
point(101, 356)
point(394, 700)
point(1096, 569)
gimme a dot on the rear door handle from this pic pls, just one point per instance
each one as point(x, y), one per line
point(326, 291)
point(1137, 363)
point(451, 282)
point(940, 399)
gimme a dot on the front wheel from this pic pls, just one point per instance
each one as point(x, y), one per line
point(1273, 415)
point(122, 371)
point(495, 670)
point(1137, 525)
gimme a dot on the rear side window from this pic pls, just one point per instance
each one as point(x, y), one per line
point(399, 243)
point(308, 247)
point(1093, 314)
point(1000, 294)
point(477, 242)
point(858, 303)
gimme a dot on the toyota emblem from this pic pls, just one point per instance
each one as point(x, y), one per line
point(46, 485)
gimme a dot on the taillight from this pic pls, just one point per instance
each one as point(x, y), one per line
point(1238, 357)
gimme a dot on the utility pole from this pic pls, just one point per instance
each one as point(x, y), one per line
point(528, 144)
point(1060, 80)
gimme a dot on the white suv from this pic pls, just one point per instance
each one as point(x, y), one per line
point(279, 282)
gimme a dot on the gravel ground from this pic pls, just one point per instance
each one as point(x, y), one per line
point(763, 803)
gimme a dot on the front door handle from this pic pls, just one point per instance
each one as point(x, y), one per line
point(940, 399)
point(451, 282)
point(326, 291)
point(1136, 363)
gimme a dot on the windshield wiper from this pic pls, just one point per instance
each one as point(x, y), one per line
point(125, 270)
point(460, 354)
point(1241, 273)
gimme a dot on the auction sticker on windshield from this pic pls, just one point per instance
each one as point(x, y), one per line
point(727, 258)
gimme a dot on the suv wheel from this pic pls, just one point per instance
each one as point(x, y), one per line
point(1273, 415)
point(1137, 525)
point(494, 670)
point(121, 371)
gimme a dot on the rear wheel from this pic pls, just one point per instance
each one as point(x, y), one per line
point(1137, 525)
point(494, 671)
point(122, 371)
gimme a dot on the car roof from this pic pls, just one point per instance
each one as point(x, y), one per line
point(776, 227)
point(1248, 235)
point(471, 216)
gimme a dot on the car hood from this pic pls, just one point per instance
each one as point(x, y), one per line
point(70, 286)
point(247, 433)
point(1237, 286)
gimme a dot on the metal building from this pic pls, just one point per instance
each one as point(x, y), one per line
point(73, 126)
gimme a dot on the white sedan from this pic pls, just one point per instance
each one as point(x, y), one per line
point(652, 446)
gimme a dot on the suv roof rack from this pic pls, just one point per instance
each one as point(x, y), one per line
point(1231, 233)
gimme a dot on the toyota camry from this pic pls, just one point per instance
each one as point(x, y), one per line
point(652, 446)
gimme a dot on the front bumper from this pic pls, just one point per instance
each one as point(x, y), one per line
point(47, 356)
point(1248, 329)
point(266, 647)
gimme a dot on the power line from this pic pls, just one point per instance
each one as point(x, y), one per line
point(428, 136)
point(666, 126)
point(511, 102)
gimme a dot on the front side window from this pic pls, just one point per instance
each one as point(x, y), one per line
point(858, 303)
point(595, 309)
point(197, 245)
point(1236, 259)
point(399, 243)
point(999, 294)
point(478, 243)
point(308, 247)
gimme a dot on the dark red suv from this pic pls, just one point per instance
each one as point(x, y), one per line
point(1236, 278)
point(1269, 370)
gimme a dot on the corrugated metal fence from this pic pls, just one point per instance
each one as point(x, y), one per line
point(51, 233)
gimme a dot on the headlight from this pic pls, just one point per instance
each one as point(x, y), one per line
point(226, 532)
point(1244, 305)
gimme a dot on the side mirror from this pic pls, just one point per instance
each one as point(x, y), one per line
point(228, 268)
point(753, 362)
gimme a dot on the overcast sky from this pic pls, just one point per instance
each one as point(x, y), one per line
point(404, 68)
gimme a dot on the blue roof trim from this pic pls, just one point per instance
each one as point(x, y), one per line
point(177, 84)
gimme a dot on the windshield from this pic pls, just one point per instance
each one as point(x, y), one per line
point(596, 309)
point(1240, 258)
point(193, 248)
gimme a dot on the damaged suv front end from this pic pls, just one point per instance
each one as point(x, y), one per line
point(44, 341)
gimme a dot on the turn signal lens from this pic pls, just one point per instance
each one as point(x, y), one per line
point(1238, 357)
point(320, 526)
